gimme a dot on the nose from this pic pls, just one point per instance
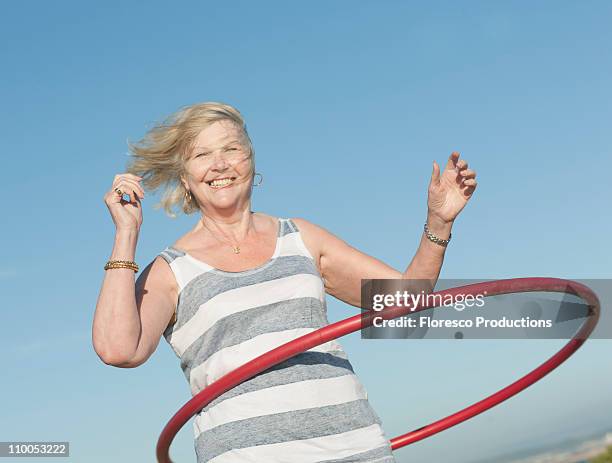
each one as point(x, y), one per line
point(219, 162)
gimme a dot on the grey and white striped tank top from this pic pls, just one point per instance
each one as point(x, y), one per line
point(310, 408)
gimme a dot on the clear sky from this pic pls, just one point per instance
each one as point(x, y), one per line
point(347, 103)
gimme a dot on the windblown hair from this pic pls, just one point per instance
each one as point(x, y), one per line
point(160, 156)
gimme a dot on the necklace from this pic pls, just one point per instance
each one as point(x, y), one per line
point(235, 247)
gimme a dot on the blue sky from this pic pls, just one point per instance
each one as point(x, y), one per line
point(347, 104)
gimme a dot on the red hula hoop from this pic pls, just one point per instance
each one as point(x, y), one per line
point(352, 324)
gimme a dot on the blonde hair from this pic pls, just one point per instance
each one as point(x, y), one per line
point(159, 157)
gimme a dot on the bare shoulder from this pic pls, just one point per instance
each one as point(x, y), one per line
point(314, 237)
point(342, 266)
point(157, 280)
point(159, 272)
point(308, 227)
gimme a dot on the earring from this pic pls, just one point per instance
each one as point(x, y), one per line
point(260, 181)
point(188, 200)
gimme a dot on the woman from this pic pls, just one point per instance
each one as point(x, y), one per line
point(241, 283)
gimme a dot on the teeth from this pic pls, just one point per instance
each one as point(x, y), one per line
point(225, 181)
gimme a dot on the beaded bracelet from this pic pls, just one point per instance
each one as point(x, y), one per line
point(435, 239)
point(121, 264)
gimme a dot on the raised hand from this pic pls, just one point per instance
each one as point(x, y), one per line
point(125, 214)
point(449, 193)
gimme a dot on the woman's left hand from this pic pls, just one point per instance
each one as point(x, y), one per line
point(450, 192)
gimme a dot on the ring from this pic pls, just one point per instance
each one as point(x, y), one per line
point(119, 191)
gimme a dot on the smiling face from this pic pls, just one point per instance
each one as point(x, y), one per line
point(218, 169)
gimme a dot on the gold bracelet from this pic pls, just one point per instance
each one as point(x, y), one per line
point(435, 239)
point(121, 264)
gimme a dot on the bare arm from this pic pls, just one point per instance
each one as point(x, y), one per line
point(427, 261)
point(343, 267)
point(130, 317)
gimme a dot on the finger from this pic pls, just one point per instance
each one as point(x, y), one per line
point(131, 181)
point(452, 160)
point(462, 164)
point(112, 197)
point(125, 190)
point(467, 173)
point(130, 188)
point(469, 190)
point(127, 175)
point(435, 174)
point(136, 187)
point(470, 182)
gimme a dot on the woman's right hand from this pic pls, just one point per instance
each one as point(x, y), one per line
point(127, 215)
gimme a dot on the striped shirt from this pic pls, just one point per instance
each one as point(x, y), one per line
point(309, 408)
